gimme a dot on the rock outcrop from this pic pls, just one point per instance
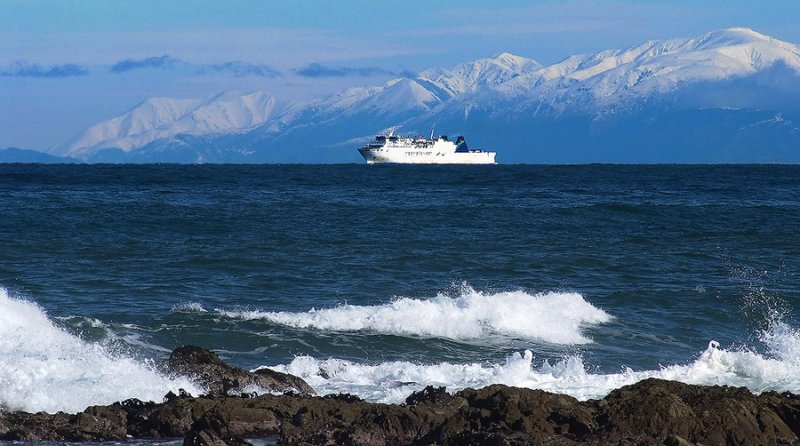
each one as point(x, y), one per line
point(205, 367)
point(651, 412)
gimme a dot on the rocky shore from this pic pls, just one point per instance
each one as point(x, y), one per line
point(651, 412)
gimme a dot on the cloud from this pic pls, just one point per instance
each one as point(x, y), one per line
point(24, 69)
point(318, 70)
point(407, 73)
point(150, 62)
point(241, 69)
point(237, 68)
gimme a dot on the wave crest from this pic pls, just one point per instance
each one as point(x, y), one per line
point(44, 368)
point(555, 317)
point(392, 382)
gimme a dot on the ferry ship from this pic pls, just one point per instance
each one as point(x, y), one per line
point(390, 148)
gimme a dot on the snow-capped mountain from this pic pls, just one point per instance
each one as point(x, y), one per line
point(148, 116)
point(663, 97)
point(163, 118)
point(655, 67)
point(482, 73)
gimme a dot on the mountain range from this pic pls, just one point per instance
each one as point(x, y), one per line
point(728, 96)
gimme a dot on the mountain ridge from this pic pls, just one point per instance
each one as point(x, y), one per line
point(480, 96)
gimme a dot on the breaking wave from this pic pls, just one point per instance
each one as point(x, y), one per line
point(45, 368)
point(392, 382)
point(555, 317)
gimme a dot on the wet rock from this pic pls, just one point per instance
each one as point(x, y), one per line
point(336, 422)
point(212, 438)
point(96, 423)
point(651, 412)
point(203, 438)
point(213, 429)
point(281, 382)
point(343, 397)
point(205, 367)
point(429, 395)
point(540, 416)
point(170, 419)
point(23, 426)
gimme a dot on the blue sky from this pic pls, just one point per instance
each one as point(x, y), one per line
point(67, 64)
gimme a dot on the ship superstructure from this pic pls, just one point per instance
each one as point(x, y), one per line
point(390, 148)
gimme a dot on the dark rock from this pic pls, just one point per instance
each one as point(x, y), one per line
point(674, 440)
point(539, 415)
point(5, 426)
point(282, 382)
point(205, 367)
point(343, 397)
point(651, 412)
point(203, 438)
point(96, 423)
point(213, 429)
point(429, 395)
point(211, 438)
point(136, 404)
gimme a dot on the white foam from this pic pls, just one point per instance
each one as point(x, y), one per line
point(84, 321)
point(189, 307)
point(392, 382)
point(556, 317)
point(44, 368)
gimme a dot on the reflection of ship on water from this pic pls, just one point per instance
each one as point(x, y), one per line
point(390, 148)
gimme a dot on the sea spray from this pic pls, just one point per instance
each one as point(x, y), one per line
point(44, 368)
point(188, 307)
point(392, 382)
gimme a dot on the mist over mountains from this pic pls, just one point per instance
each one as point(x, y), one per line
point(728, 96)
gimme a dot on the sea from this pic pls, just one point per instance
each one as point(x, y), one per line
point(379, 280)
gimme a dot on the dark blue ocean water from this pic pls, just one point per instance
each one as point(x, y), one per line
point(576, 279)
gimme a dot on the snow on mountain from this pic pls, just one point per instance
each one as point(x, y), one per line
point(657, 66)
point(400, 98)
point(486, 73)
point(162, 118)
point(228, 111)
point(398, 94)
point(509, 86)
point(149, 115)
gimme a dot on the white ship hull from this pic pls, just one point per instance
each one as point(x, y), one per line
point(395, 150)
point(403, 156)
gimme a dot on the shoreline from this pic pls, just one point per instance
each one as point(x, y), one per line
point(650, 412)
